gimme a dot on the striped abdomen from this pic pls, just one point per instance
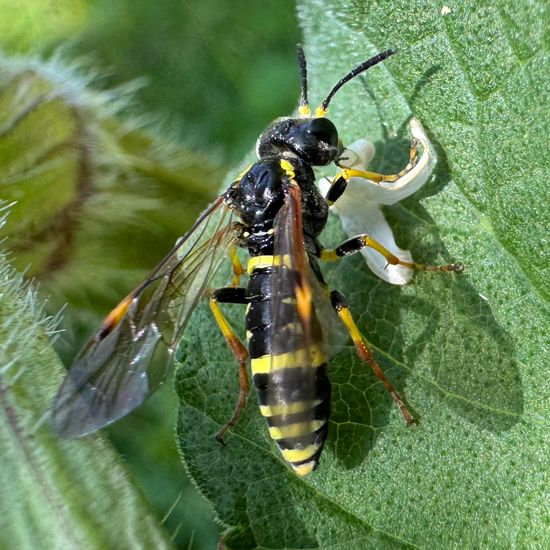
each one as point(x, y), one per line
point(294, 398)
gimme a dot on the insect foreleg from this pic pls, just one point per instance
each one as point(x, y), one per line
point(339, 303)
point(340, 182)
point(379, 178)
point(357, 243)
point(348, 173)
point(232, 295)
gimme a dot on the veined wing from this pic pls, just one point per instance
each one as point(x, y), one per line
point(297, 354)
point(127, 359)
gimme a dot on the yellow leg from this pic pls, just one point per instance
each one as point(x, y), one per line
point(355, 244)
point(342, 309)
point(340, 182)
point(239, 351)
point(349, 173)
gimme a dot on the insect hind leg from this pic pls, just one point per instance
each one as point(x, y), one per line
point(339, 303)
point(232, 295)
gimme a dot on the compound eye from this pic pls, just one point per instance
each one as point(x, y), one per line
point(324, 130)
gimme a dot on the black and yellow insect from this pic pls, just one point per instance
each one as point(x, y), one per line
point(275, 211)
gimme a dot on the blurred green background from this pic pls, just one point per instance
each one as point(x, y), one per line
point(209, 77)
point(213, 72)
point(216, 71)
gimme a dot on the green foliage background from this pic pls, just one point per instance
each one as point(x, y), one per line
point(469, 352)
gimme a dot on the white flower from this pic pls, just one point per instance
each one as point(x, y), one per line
point(359, 207)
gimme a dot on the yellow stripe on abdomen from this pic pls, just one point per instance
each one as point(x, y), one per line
point(295, 430)
point(299, 455)
point(260, 262)
point(304, 469)
point(288, 408)
point(289, 360)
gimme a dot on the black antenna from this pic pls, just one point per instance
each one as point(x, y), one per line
point(352, 74)
point(304, 105)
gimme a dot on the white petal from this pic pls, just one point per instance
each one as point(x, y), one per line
point(359, 206)
point(392, 192)
point(357, 216)
point(358, 155)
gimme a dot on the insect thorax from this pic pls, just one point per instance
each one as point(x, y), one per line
point(260, 194)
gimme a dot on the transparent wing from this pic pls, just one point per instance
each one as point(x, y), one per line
point(127, 359)
point(298, 300)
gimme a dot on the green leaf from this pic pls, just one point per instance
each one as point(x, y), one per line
point(468, 351)
point(55, 494)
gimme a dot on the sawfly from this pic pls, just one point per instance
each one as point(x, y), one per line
point(275, 211)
